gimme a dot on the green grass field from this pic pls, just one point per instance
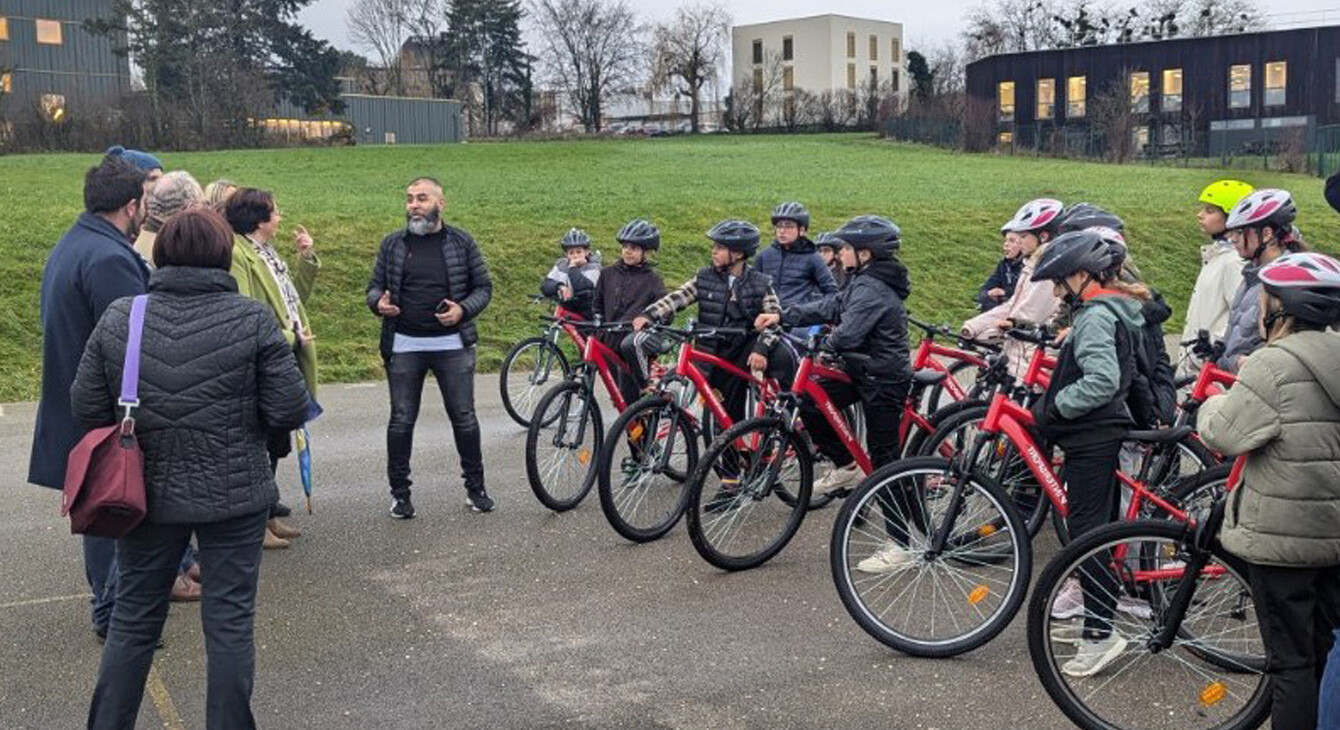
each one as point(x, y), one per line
point(518, 199)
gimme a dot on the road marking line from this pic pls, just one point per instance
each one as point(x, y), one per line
point(167, 709)
point(40, 601)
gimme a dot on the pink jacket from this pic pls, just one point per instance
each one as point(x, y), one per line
point(1032, 302)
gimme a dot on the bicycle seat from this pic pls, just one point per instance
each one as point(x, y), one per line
point(1161, 435)
point(927, 377)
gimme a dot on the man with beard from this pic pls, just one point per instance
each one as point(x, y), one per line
point(92, 266)
point(429, 284)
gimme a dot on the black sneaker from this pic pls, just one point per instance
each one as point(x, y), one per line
point(479, 501)
point(281, 510)
point(402, 508)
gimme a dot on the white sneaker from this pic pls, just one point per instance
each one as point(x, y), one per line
point(1093, 656)
point(1068, 633)
point(1137, 607)
point(888, 559)
point(1069, 603)
point(839, 478)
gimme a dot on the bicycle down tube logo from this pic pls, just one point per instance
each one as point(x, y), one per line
point(1044, 472)
point(835, 417)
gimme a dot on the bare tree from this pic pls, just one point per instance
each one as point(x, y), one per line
point(688, 52)
point(590, 48)
point(382, 27)
point(1111, 116)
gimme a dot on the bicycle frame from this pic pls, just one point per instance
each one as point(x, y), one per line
point(686, 365)
point(807, 384)
point(928, 350)
point(604, 359)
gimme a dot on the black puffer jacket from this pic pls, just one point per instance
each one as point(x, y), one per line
point(215, 375)
point(468, 282)
point(871, 319)
point(623, 291)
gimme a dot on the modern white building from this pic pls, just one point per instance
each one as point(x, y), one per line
point(819, 53)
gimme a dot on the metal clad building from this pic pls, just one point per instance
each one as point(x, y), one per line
point(380, 120)
point(52, 62)
point(1211, 95)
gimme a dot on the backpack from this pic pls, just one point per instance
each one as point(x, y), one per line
point(1152, 398)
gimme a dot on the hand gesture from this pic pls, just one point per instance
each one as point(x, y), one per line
point(639, 322)
point(757, 362)
point(996, 293)
point(564, 292)
point(303, 239)
point(384, 306)
point(766, 320)
point(305, 337)
point(451, 315)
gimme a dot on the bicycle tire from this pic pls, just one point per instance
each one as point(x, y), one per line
point(542, 476)
point(936, 397)
point(520, 405)
point(619, 501)
point(716, 522)
point(1154, 692)
point(989, 559)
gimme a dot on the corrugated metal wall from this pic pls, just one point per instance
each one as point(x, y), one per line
point(82, 67)
point(393, 120)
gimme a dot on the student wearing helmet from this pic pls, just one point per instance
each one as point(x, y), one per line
point(1032, 227)
point(1220, 270)
point(730, 294)
point(798, 272)
point(1260, 227)
point(1284, 516)
point(1085, 412)
point(871, 320)
point(828, 245)
point(573, 279)
point(626, 287)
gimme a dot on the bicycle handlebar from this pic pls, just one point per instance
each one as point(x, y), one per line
point(932, 329)
point(1204, 346)
point(1040, 336)
point(587, 325)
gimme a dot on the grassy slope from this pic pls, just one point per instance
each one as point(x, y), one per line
point(518, 198)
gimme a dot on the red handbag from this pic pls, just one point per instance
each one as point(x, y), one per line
point(104, 478)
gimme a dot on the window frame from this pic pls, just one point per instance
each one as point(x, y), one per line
point(1082, 105)
point(1240, 98)
point(851, 44)
point(1139, 103)
point(756, 49)
point(49, 25)
point(1050, 100)
point(1275, 95)
point(1165, 96)
point(4, 27)
point(788, 48)
point(1004, 113)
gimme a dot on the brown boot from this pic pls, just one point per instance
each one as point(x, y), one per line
point(283, 529)
point(184, 590)
point(273, 541)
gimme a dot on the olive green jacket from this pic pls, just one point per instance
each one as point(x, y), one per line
point(254, 280)
point(1284, 412)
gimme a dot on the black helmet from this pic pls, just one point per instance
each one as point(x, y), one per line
point(876, 234)
point(1079, 216)
point(1075, 251)
point(575, 238)
point(791, 212)
point(640, 233)
point(1116, 243)
point(736, 235)
point(828, 239)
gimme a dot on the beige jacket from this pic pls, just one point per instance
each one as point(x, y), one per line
point(1284, 412)
point(1212, 297)
point(1032, 302)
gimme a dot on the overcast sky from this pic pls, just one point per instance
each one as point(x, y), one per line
point(922, 22)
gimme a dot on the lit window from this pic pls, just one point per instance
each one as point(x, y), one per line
point(4, 28)
point(1239, 86)
point(1046, 99)
point(1076, 88)
point(1005, 139)
point(1140, 92)
point(49, 32)
point(851, 45)
point(789, 78)
point(874, 48)
point(1277, 73)
point(1172, 90)
point(851, 76)
point(788, 49)
point(758, 51)
point(1005, 99)
point(6, 83)
point(53, 107)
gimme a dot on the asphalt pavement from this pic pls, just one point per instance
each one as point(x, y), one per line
point(521, 618)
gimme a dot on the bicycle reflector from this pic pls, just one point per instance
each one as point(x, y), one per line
point(986, 530)
point(1213, 694)
point(584, 457)
point(979, 594)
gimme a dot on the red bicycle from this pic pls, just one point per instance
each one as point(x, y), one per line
point(535, 362)
point(652, 448)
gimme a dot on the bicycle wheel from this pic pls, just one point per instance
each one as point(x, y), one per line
point(1133, 685)
point(561, 445)
point(749, 494)
point(898, 591)
point(527, 370)
point(855, 415)
point(999, 460)
point(644, 464)
point(938, 396)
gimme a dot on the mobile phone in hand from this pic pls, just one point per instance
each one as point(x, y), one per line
point(443, 306)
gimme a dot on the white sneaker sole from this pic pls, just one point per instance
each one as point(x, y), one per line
point(1112, 653)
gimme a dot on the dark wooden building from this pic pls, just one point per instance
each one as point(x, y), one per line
point(50, 65)
point(1193, 96)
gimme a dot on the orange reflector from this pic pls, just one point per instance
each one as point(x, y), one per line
point(635, 431)
point(978, 594)
point(1213, 694)
point(986, 530)
point(584, 457)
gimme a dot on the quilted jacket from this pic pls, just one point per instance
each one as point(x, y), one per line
point(215, 374)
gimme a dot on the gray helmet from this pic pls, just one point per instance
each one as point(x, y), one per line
point(575, 238)
point(639, 232)
point(791, 212)
point(876, 234)
point(736, 235)
point(1073, 252)
point(1079, 216)
point(828, 239)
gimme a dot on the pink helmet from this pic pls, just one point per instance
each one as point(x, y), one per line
point(1036, 215)
point(1307, 285)
point(1267, 206)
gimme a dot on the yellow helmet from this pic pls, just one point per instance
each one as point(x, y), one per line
point(1225, 193)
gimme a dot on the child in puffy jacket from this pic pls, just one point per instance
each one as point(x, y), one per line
point(573, 279)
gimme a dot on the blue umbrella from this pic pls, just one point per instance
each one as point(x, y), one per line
point(305, 464)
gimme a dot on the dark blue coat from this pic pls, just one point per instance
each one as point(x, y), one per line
point(798, 272)
point(92, 266)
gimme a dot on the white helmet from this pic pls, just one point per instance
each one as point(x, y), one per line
point(1035, 215)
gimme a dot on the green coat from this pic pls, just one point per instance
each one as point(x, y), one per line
point(1284, 412)
point(254, 280)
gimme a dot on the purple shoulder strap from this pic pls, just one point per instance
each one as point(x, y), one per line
point(130, 374)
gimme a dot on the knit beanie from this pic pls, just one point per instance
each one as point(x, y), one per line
point(142, 160)
point(172, 193)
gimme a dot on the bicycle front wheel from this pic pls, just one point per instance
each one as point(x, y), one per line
point(562, 442)
point(531, 367)
point(902, 592)
point(644, 464)
point(1098, 608)
point(749, 494)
